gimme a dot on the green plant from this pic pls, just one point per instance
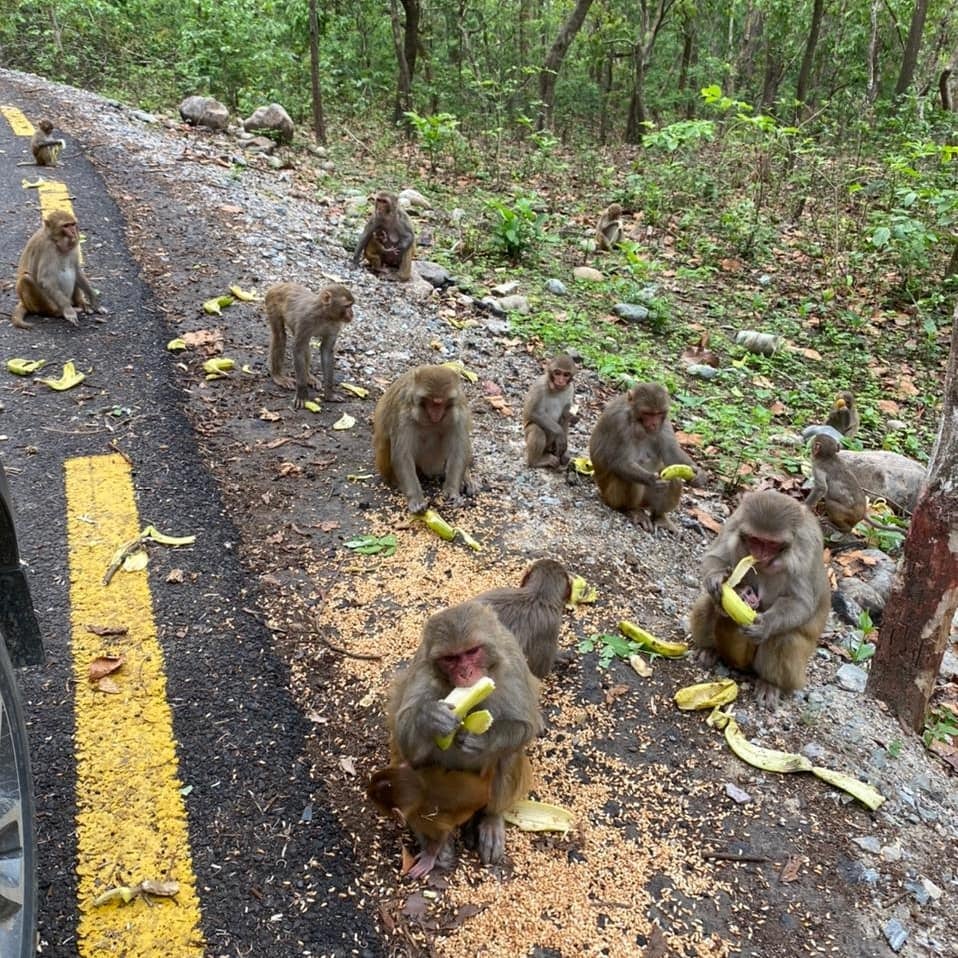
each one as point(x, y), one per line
point(437, 133)
point(894, 747)
point(608, 648)
point(517, 228)
point(941, 725)
point(860, 650)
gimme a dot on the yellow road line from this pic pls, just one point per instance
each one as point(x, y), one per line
point(54, 196)
point(131, 821)
point(20, 125)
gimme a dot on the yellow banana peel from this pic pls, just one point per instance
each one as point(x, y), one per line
point(355, 390)
point(468, 540)
point(477, 722)
point(68, 378)
point(242, 295)
point(533, 816)
point(437, 524)
point(582, 592)
point(214, 306)
point(772, 760)
point(647, 641)
point(467, 374)
point(462, 699)
point(706, 695)
point(736, 608)
point(678, 471)
point(24, 367)
point(583, 466)
point(311, 406)
point(176, 345)
point(151, 532)
point(218, 368)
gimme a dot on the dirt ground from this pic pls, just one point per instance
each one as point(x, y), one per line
point(662, 859)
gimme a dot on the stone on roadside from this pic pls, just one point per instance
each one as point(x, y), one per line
point(205, 111)
point(851, 677)
point(492, 305)
point(258, 144)
point(556, 287)
point(588, 274)
point(895, 934)
point(506, 289)
point(413, 198)
point(271, 119)
point(515, 304)
point(434, 273)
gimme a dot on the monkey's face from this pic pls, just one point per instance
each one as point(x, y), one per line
point(435, 407)
point(465, 667)
point(559, 379)
point(768, 553)
point(384, 207)
point(65, 236)
point(651, 419)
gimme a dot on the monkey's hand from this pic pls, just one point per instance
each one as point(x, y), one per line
point(70, 315)
point(712, 584)
point(438, 719)
point(757, 632)
point(471, 744)
point(302, 394)
point(561, 444)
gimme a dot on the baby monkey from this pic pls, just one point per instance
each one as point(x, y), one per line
point(305, 314)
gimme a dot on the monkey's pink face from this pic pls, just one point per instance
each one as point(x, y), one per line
point(766, 552)
point(464, 668)
point(435, 407)
point(559, 379)
point(68, 238)
point(651, 419)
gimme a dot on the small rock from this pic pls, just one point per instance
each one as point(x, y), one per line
point(434, 273)
point(851, 678)
point(891, 853)
point(895, 934)
point(765, 280)
point(815, 752)
point(491, 304)
point(143, 116)
point(588, 274)
point(868, 843)
point(498, 327)
point(737, 794)
point(556, 287)
point(505, 289)
point(515, 304)
point(754, 341)
point(896, 425)
point(205, 111)
point(702, 371)
point(272, 119)
point(631, 312)
point(259, 144)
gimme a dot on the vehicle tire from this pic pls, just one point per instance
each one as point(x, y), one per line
point(18, 859)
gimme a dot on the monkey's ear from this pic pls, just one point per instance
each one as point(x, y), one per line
point(325, 296)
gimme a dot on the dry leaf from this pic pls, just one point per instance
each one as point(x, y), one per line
point(809, 353)
point(175, 577)
point(710, 522)
point(107, 685)
point(289, 469)
point(348, 764)
point(888, 406)
point(212, 338)
point(104, 665)
point(791, 868)
point(268, 415)
point(688, 438)
point(906, 387)
point(500, 404)
point(327, 525)
point(107, 630)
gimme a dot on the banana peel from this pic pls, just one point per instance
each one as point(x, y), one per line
point(772, 760)
point(24, 367)
point(473, 544)
point(68, 378)
point(581, 592)
point(435, 523)
point(533, 816)
point(706, 695)
point(458, 367)
point(345, 421)
point(678, 471)
point(736, 608)
point(462, 699)
point(176, 345)
point(218, 368)
point(151, 532)
point(648, 642)
point(310, 406)
point(242, 295)
point(355, 390)
point(214, 306)
point(583, 466)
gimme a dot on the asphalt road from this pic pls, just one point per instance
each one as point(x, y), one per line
point(255, 819)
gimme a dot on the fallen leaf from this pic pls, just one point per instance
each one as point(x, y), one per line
point(107, 630)
point(160, 889)
point(136, 562)
point(706, 520)
point(204, 337)
point(328, 525)
point(888, 406)
point(616, 692)
point(344, 422)
point(807, 352)
point(906, 387)
point(490, 388)
point(688, 438)
point(268, 415)
point(791, 868)
point(104, 665)
point(108, 686)
point(175, 576)
point(348, 765)
point(500, 404)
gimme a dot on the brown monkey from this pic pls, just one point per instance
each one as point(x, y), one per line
point(608, 230)
point(844, 414)
point(422, 424)
point(388, 240)
point(50, 280)
point(788, 587)
point(546, 414)
point(631, 443)
point(844, 499)
point(290, 306)
point(432, 801)
point(533, 612)
point(459, 646)
point(45, 149)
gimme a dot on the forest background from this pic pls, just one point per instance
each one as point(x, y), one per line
point(783, 167)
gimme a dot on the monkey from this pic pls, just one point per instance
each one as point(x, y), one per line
point(533, 612)
point(460, 645)
point(433, 802)
point(787, 586)
point(844, 415)
point(422, 424)
point(608, 231)
point(290, 306)
point(546, 415)
point(45, 149)
point(388, 240)
point(834, 483)
point(50, 279)
point(631, 443)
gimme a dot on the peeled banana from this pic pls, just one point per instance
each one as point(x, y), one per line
point(462, 699)
point(650, 643)
point(736, 608)
point(677, 471)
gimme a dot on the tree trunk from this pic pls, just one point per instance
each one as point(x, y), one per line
point(918, 616)
point(909, 58)
point(873, 54)
point(553, 62)
point(688, 58)
point(406, 42)
point(635, 126)
point(808, 58)
point(319, 120)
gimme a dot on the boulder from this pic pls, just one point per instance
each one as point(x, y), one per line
point(205, 111)
point(886, 475)
point(271, 119)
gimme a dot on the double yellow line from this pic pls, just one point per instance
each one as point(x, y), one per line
point(131, 817)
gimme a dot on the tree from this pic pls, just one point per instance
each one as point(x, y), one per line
point(808, 58)
point(406, 42)
point(909, 57)
point(919, 612)
point(553, 62)
point(653, 15)
point(319, 121)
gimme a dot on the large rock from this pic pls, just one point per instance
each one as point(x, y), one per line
point(886, 475)
point(271, 119)
point(205, 111)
